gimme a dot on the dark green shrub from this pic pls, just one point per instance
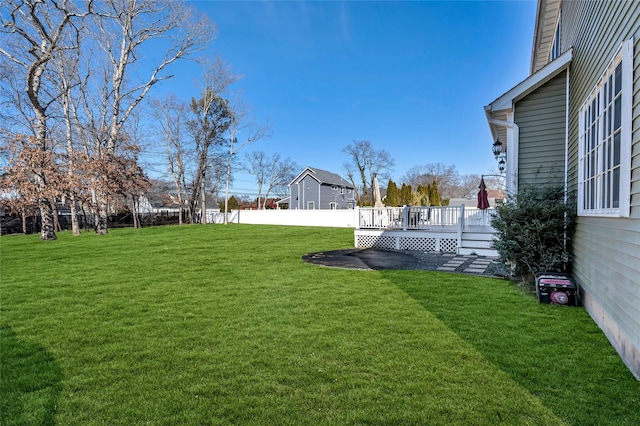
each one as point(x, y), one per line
point(535, 229)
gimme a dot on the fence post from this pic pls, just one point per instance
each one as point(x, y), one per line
point(357, 217)
point(460, 227)
point(405, 217)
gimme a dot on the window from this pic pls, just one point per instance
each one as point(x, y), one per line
point(604, 146)
point(333, 206)
point(311, 205)
point(555, 45)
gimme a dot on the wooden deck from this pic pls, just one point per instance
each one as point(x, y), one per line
point(440, 229)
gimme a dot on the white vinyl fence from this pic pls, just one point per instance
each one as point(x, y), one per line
point(406, 218)
point(324, 218)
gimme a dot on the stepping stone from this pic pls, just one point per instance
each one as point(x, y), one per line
point(446, 269)
point(475, 270)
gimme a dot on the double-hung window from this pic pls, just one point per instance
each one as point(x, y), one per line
point(604, 146)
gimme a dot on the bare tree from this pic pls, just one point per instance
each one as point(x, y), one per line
point(35, 33)
point(445, 176)
point(365, 163)
point(211, 118)
point(469, 184)
point(494, 179)
point(68, 79)
point(242, 131)
point(216, 175)
point(467, 187)
point(169, 115)
point(125, 29)
point(270, 172)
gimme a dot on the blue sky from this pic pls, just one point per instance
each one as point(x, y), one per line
point(410, 77)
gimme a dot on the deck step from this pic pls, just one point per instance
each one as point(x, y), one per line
point(477, 243)
point(479, 251)
point(482, 236)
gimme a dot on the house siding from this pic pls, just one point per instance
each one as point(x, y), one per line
point(541, 117)
point(330, 195)
point(308, 191)
point(596, 30)
point(321, 188)
point(607, 250)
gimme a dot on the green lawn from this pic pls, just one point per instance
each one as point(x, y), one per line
point(200, 325)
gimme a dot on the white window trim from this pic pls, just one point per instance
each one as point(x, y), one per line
point(311, 205)
point(624, 54)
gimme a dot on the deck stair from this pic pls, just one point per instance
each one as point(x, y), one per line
point(475, 242)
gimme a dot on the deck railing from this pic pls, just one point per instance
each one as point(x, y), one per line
point(477, 217)
point(446, 218)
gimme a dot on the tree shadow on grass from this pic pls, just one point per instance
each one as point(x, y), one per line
point(556, 352)
point(29, 382)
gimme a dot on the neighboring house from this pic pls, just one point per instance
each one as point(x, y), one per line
point(574, 122)
point(319, 189)
point(158, 203)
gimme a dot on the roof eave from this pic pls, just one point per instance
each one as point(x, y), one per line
point(546, 16)
point(499, 108)
point(529, 84)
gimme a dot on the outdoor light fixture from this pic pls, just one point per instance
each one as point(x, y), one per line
point(497, 148)
point(501, 164)
point(500, 152)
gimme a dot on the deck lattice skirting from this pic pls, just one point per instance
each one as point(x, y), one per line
point(406, 240)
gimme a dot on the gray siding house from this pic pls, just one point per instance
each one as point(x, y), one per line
point(576, 121)
point(319, 189)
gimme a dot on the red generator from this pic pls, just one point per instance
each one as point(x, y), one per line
point(559, 289)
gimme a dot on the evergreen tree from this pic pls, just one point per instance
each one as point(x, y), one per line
point(406, 194)
point(233, 203)
point(423, 195)
point(434, 194)
point(392, 194)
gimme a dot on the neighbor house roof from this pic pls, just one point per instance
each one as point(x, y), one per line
point(322, 176)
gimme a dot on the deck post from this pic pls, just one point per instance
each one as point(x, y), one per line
point(460, 227)
point(405, 217)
